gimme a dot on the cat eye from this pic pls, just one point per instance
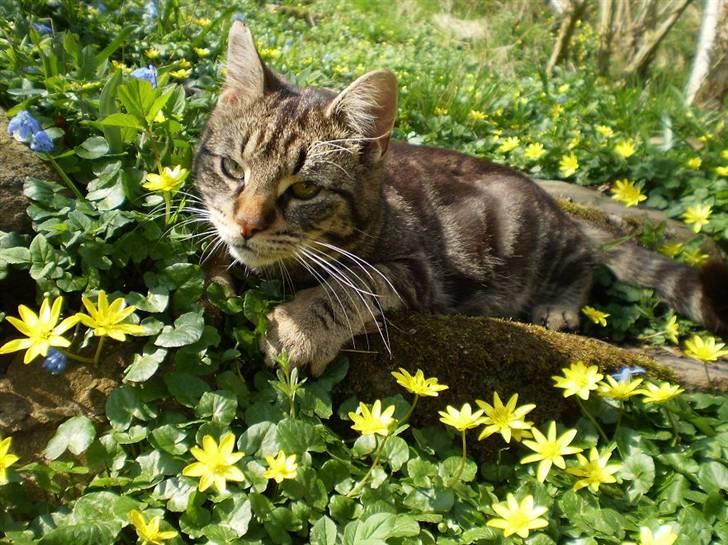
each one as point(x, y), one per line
point(305, 190)
point(232, 168)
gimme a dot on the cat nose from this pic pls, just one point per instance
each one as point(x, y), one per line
point(248, 227)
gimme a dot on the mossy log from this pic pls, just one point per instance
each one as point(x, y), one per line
point(476, 356)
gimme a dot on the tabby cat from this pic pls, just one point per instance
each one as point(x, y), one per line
point(307, 184)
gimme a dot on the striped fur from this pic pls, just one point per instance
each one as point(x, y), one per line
point(415, 227)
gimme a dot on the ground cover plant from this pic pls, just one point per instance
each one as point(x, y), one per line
point(201, 443)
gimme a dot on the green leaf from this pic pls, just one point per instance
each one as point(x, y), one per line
point(639, 468)
point(119, 119)
point(145, 364)
point(396, 453)
point(75, 435)
point(185, 387)
point(170, 439)
point(187, 330)
point(93, 148)
point(123, 405)
point(220, 406)
point(324, 532)
point(260, 440)
point(234, 514)
point(84, 533)
point(713, 477)
point(296, 436)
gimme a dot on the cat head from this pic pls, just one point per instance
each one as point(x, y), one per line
point(278, 167)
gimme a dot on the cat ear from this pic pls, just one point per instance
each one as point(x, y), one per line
point(247, 77)
point(369, 106)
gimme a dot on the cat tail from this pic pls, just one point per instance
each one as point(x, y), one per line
point(701, 294)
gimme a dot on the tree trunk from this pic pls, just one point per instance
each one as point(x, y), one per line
point(703, 51)
point(606, 31)
point(566, 31)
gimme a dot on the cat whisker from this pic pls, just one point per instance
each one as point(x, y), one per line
point(327, 288)
point(359, 261)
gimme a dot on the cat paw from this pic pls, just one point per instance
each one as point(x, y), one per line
point(300, 337)
point(556, 318)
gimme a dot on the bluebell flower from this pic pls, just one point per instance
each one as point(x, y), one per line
point(23, 126)
point(55, 362)
point(41, 142)
point(42, 28)
point(150, 11)
point(625, 375)
point(147, 74)
point(101, 7)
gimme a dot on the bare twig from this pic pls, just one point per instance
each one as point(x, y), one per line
point(653, 39)
point(566, 31)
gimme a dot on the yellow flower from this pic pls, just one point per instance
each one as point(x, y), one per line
point(519, 435)
point(508, 144)
point(182, 73)
point(518, 518)
point(671, 329)
point(568, 165)
point(605, 131)
point(694, 257)
point(556, 110)
point(440, 111)
point(463, 419)
point(594, 471)
point(574, 142)
point(549, 450)
point(665, 535)
point(722, 171)
point(169, 180)
point(596, 316)
point(160, 117)
point(281, 467)
point(120, 66)
point(563, 88)
point(418, 384)
point(626, 192)
point(6, 459)
point(694, 163)
point(215, 464)
point(202, 21)
point(672, 249)
point(42, 330)
point(476, 115)
point(107, 320)
point(148, 532)
point(697, 216)
point(625, 149)
point(578, 379)
point(201, 51)
point(152, 53)
point(660, 393)
point(367, 422)
point(618, 389)
point(503, 419)
point(704, 349)
point(534, 152)
point(184, 63)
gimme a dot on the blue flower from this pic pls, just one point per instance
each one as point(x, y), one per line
point(150, 11)
point(55, 362)
point(147, 74)
point(41, 142)
point(237, 16)
point(625, 375)
point(42, 28)
point(23, 126)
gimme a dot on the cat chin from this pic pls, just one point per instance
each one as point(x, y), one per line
point(252, 259)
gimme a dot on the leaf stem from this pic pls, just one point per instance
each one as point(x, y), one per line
point(69, 183)
point(592, 419)
point(99, 347)
point(411, 410)
point(75, 357)
point(456, 477)
point(377, 457)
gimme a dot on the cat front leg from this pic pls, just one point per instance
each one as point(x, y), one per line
point(320, 321)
